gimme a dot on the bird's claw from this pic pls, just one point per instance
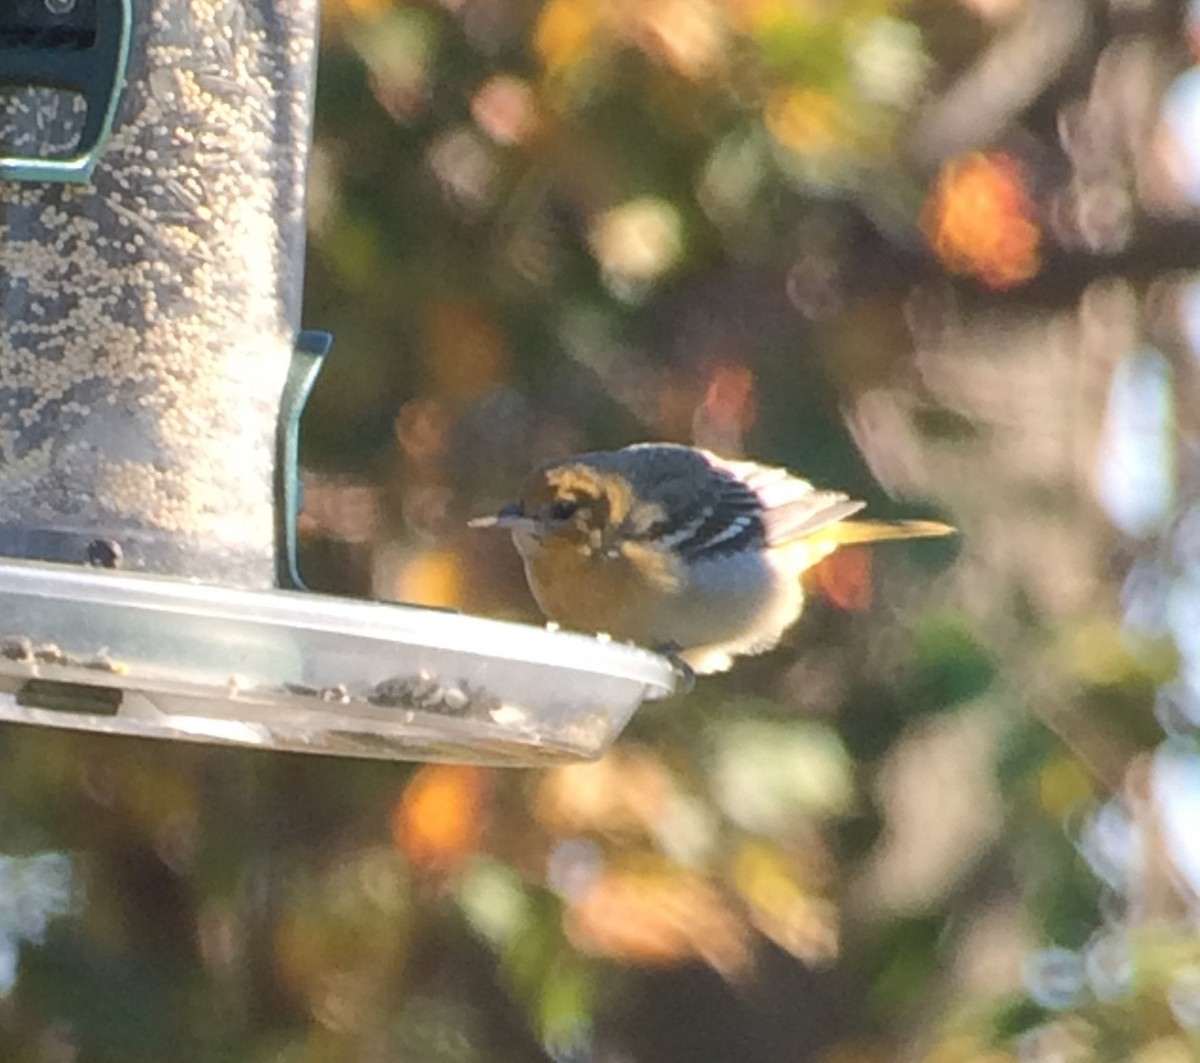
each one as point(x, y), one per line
point(685, 675)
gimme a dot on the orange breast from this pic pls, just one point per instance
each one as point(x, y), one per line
point(589, 591)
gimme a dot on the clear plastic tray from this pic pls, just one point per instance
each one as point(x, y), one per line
point(141, 655)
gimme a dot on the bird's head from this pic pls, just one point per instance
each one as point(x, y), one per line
point(573, 503)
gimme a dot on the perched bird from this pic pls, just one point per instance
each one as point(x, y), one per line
point(678, 549)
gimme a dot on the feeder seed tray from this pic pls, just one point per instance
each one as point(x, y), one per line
point(134, 654)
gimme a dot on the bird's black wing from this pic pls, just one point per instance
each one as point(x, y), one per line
point(725, 519)
point(717, 506)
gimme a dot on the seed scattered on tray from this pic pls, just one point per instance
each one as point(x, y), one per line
point(16, 648)
point(413, 693)
point(425, 693)
point(49, 653)
point(23, 649)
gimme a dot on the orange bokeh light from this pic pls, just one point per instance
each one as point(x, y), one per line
point(844, 578)
point(438, 821)
point(730, 399)
point(658, 915)
point(979, 220)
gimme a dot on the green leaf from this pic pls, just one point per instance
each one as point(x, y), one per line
point(950, 666)
point(764, 773)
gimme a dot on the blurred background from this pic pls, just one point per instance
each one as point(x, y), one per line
point(943, 255)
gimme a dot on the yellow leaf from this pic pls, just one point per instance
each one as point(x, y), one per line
point(563, 32)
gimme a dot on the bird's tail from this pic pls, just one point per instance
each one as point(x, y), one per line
point(803, 553)
point(846, 532)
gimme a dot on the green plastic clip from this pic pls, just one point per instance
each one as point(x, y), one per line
point(307, 357)
point(83, 47)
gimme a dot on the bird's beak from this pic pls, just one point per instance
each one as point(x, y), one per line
point(511, 516)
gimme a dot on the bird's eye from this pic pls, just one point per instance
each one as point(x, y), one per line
point(563, 509)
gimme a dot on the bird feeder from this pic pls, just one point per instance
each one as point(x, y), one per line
point(152, 375)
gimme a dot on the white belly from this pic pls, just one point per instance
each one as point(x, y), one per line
point(731, 607)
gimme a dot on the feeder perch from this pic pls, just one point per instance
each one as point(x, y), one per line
point(152, 377)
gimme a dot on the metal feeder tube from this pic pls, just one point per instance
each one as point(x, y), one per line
point(149, 314)
point(152, 162)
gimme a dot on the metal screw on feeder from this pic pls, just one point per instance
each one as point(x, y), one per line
point(151, 384)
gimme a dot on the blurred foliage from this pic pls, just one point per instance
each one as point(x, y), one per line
point(912, 250)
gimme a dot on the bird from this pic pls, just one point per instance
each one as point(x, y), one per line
point(678, 549)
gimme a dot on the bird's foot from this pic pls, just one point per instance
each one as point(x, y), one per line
point(685, 675)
